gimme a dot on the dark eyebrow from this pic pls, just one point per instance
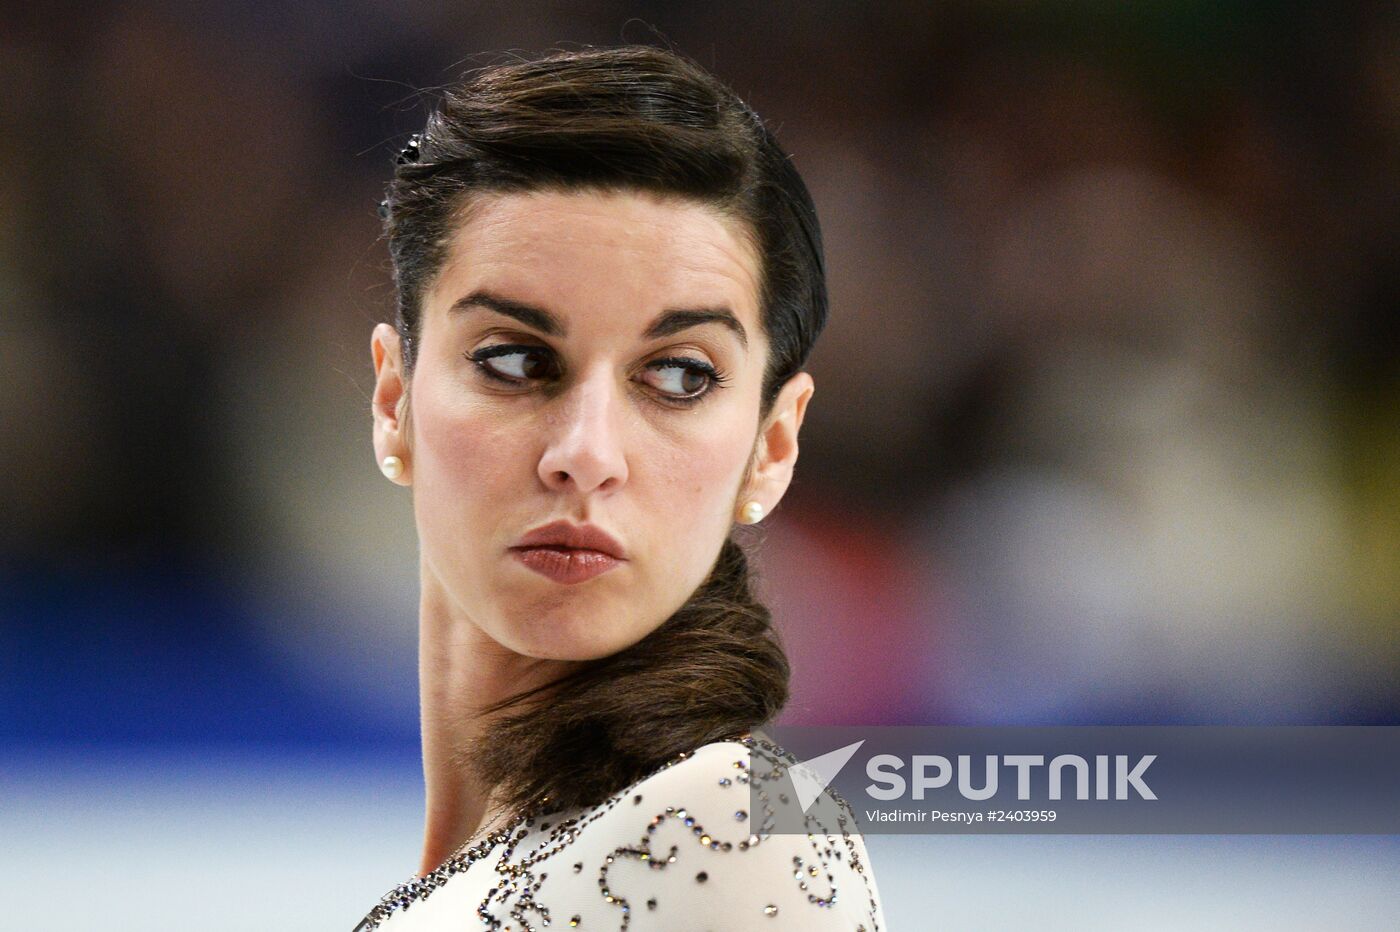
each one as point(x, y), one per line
point(667, 322)
point(674, 321)
point(534, 317)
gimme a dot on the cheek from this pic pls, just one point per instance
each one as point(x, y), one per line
point(692, 467)
point(698, 497)
point(463, 459)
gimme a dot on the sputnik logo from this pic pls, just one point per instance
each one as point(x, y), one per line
point(811, 777)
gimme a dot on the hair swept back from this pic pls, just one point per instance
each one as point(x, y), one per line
point(629, 118)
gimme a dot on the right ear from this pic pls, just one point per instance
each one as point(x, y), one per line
point(389, 399)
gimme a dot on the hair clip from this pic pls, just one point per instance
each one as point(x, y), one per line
point(409, 153)
point(384, 209)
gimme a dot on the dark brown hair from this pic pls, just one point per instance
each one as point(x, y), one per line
point(632, 118)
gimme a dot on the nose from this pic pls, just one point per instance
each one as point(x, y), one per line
point(585, 446)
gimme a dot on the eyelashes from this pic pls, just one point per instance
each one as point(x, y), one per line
point(536, 354)
point(538, 362)
point(686, 366)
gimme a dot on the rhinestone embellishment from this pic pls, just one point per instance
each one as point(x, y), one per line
point(518, 855)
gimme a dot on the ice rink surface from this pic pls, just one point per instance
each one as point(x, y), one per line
point(223, 840)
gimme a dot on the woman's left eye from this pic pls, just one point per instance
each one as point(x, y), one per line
point(683, 378)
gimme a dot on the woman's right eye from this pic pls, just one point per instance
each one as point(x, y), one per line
point(514, 363)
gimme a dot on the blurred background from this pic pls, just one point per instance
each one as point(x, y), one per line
point(1107, 427)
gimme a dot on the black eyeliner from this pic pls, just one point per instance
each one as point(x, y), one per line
point(716, 378)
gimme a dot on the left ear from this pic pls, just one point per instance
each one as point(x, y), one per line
point(776, 452)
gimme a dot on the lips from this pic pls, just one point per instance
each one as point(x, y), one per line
point(563, 535)
point(569, 553)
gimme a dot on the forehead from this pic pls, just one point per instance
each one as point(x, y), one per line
point(602, 255)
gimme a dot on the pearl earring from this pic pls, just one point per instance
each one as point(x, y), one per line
point(392, 467)
point(753, 513)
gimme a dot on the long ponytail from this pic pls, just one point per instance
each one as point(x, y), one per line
point(712, 671)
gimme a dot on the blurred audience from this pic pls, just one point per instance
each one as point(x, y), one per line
point(1107, 422)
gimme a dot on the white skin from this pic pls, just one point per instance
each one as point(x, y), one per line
point(590, 432)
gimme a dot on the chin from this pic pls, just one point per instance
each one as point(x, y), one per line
point(568, 637)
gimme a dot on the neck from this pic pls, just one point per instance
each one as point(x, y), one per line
point(461, 671)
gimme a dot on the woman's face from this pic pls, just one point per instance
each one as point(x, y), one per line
point(596, 359)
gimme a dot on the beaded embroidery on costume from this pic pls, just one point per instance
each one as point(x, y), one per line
point(677, 850)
